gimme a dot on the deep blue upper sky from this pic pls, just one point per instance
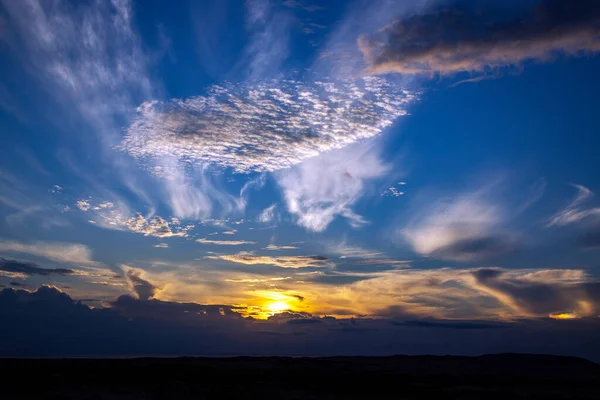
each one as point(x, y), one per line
point(422, 159)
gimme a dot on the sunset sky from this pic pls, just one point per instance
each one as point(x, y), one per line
point(297, 177)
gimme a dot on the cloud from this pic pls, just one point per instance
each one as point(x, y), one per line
point(345, 250)
point(88, 57)
point(120, 218)
point(574, 212)
point(269, 33)
point(381, 261)
point(139, 327)
point(268, 214)
point(142, 288)
point(24, 268)
point(250, 258)
point(69, 253)
point(463, 228)
point(224, 242)
point(325, 187)
point(392, 192)
point(475, 248)
point(480, 293)
point(155, 226)
point(452, 39)
point(83, 205)
point(264, 127)
point(161, 245)
point(273, 247)
point(542, 294)
point(28, 201)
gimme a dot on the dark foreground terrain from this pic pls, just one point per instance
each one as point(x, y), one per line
point(502, 376)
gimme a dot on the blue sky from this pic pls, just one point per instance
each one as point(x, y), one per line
point(417, 159)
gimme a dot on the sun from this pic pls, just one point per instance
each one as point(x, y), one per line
point(277, 307)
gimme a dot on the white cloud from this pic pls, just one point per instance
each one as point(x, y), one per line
point(322, 188)
point(461, 228)
point(155, 226)
point(161, 245)
point(70, 253)
point(574, 212)
point(119, 217)
point(392, 192)
point(88, 54)
point(269, 31)
point(264, 127)
point(267, 215)
point(273, 247)
point(104, 204)
point(224, 242)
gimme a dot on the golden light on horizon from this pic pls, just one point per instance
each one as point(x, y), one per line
point(564, 316)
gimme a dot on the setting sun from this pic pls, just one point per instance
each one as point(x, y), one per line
point(278, 307)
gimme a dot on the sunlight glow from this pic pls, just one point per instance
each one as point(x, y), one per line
point(564, 316)
point(278, 307)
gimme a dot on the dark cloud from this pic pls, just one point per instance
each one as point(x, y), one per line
point(49, 323)
point(19, 267)
point(305, 321)
point(17, 284)
point(144, 289)
point(477, 248)
point(164, 310)
point(456, 39)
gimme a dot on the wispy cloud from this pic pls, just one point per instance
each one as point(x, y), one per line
point(575, 211)
point(464, 228)
point(88, 56)
point(273, 247)
point(28, 204)
point(450, 40)
point(269, 32)
point(69, 253)
point(344, 250)
point(225, 242)
point(325, 187)
point(250, 258)
point(268, 214)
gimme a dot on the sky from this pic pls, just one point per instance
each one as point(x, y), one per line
point(299, 178)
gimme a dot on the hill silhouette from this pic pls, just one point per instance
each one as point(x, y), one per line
point(499, 376)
